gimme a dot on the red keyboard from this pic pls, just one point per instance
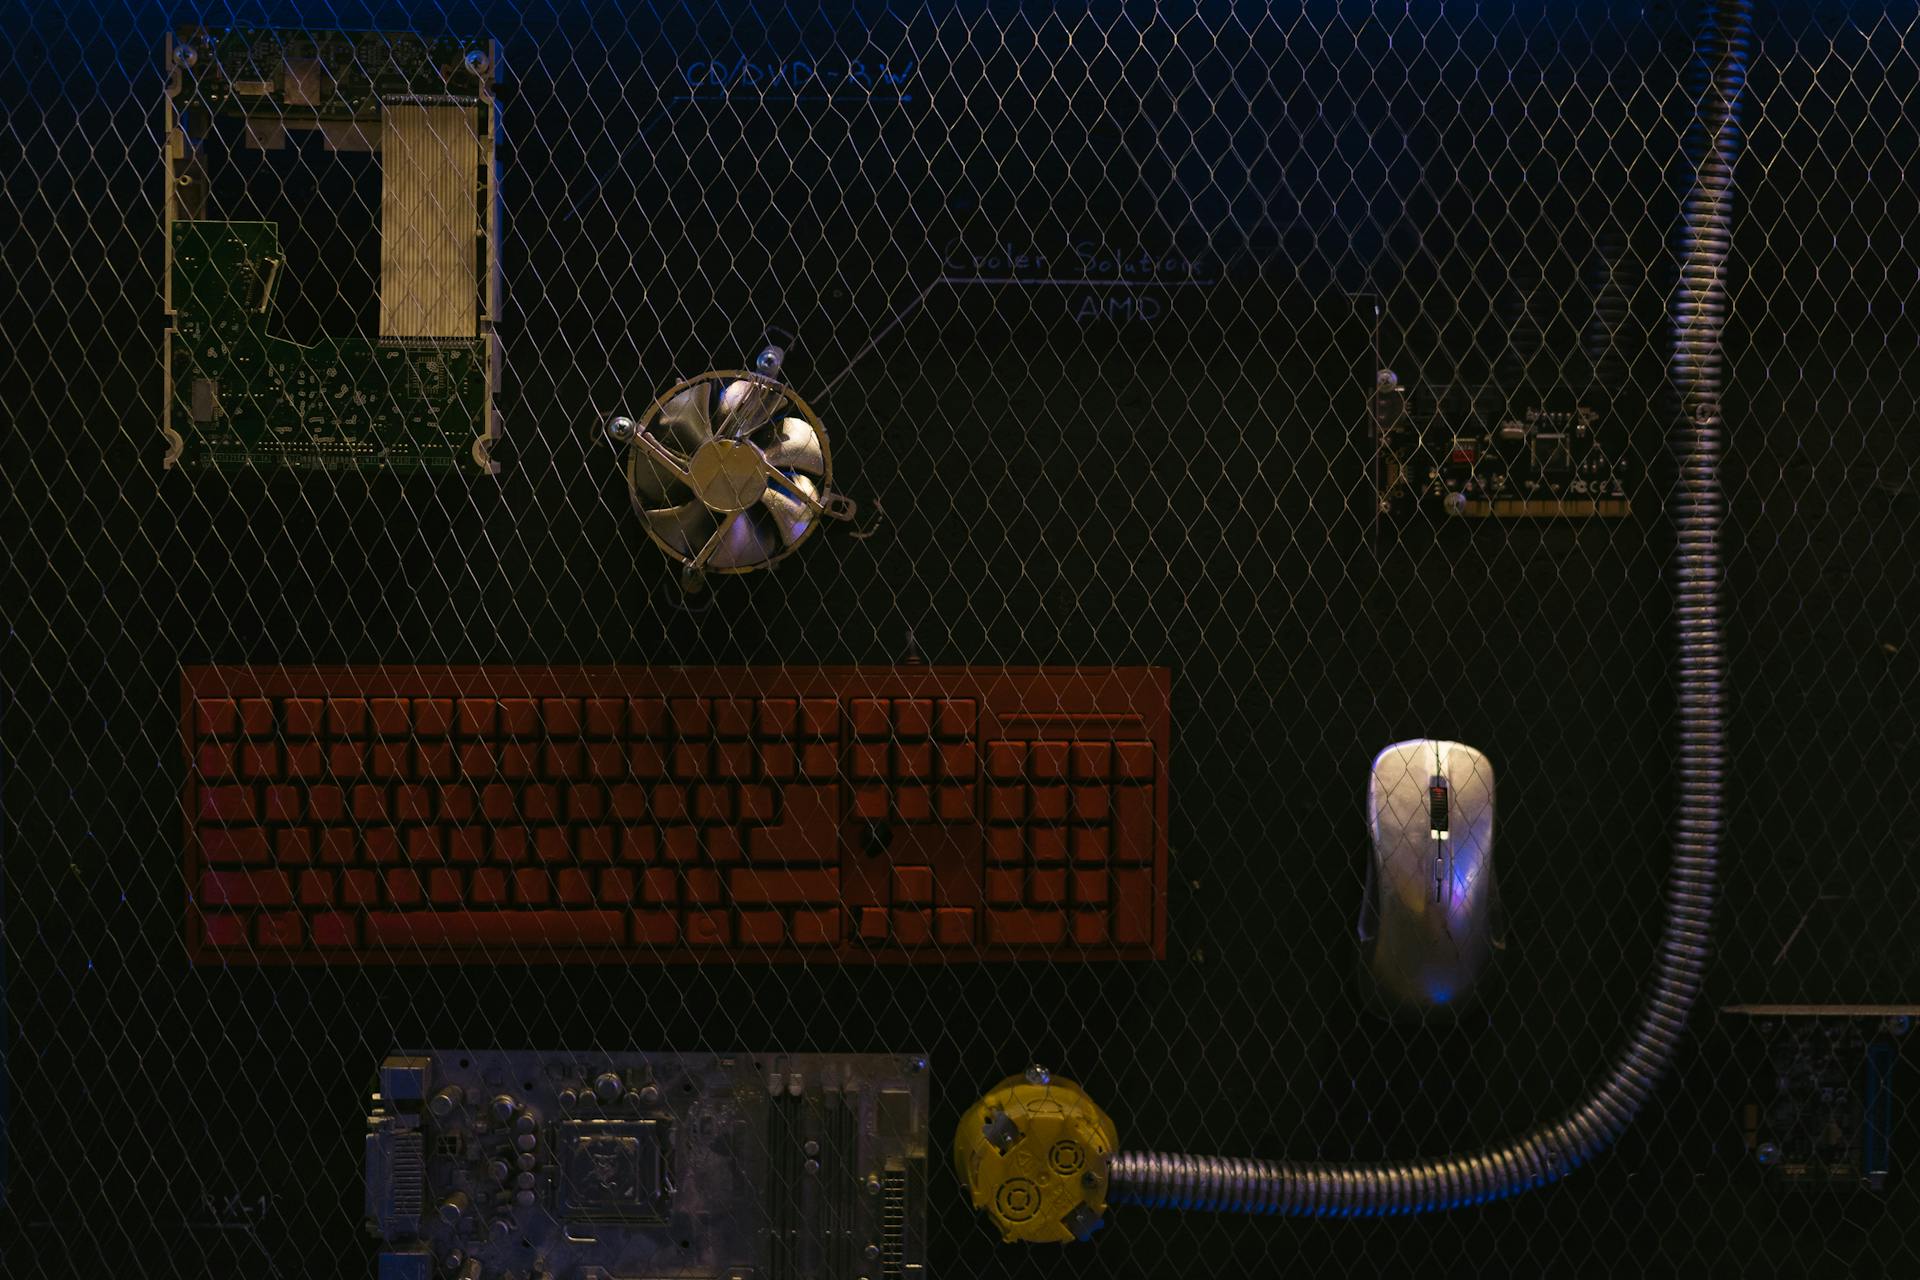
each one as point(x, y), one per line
point(400, 815)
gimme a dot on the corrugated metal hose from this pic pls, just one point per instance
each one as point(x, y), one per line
point(1224, 1184)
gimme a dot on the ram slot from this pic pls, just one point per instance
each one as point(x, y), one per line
point(786, 1180)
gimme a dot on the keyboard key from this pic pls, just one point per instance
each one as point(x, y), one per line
point(913, 717)
point(818, 928)
point(707, 928)
point(488, 887)
point(1047, 760)
point(303, 717)
point(245, 889)
point(224, 930)
point(785, 886)
point(1134, 760)
point(392, 718)
point(1133, 825)
point(870, 718)
point(1133, 907)
point(1026, 928)
point(216, 717)
point(234, 844)
point(231, 804)
point(912, 927)
point(913, 885)
point(762, 928)
point(444, 888)
point(953, 926)
point(957, 717)
point(280, 929)
point(605, 717)
point(536, 930)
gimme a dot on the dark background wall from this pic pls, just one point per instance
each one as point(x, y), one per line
point(1061, 483)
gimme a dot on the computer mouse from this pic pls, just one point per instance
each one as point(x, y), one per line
point(1428, 925)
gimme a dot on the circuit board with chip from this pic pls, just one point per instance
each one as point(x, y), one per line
point(250, 115)
point(700, 1166)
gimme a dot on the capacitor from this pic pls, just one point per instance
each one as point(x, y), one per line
point(607, 1086)
point(523, 1198)
point(499, 1169)
point(504, 1107)
point(526, 1142)
point(447, 1101)
point(500, 1230)
point(453, 1206)
point(524, 1122)
point(471, 1271)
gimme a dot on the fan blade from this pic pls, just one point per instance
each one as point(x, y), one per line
point(685, 421)
point(744, 543)
point(654, 485)
point(746, 406)
point(685, 528)
point(790, 515)
point(797, 447)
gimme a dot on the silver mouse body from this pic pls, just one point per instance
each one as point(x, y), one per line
point(1427, 926)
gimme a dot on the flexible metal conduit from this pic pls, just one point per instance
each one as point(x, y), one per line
point(1225, 1184)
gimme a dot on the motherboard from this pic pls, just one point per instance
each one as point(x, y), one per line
point(257, 122)
point(631, 1166)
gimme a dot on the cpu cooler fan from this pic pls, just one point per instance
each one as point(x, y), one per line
point(730, 470)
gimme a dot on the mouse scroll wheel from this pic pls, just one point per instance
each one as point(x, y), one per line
point(1437, 808)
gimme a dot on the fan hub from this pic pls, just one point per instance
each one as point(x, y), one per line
point(728, 475)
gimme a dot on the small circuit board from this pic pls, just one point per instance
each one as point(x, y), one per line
point(416, 391)
point(1475, 461)
point(610, 1166)
point(1818, 1108)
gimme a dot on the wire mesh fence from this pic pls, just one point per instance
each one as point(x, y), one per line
point(480, 473)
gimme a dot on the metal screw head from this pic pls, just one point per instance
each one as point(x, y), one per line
point(917, 1063)
point(621, 430)
point(1767, 1153)
point(1037, 1074)
point(476, 60)
point(769, 360)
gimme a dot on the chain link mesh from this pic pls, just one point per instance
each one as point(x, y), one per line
point(1093, 309)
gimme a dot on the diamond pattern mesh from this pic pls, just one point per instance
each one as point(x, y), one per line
point(1092, 307)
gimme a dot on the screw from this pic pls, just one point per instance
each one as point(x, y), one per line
point(769, 360)
point(1037, 1074)
point(1767, 1153)
point(917, 1064)
point(620, 430)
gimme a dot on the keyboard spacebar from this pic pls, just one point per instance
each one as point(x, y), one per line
point(495, 928)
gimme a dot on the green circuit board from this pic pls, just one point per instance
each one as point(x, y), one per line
point(240, 396)
point(245, 110)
